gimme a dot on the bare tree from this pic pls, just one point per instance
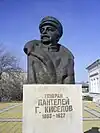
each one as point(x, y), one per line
point(10, 75)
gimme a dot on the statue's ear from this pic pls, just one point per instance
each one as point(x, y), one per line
point(58, 36)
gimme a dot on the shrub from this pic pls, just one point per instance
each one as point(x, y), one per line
point(88, 98)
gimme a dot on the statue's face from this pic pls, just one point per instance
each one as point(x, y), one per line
point(49, 34)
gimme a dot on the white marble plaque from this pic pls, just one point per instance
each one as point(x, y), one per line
point(52, 109)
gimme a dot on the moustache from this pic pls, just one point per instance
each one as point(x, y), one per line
point(45, 35)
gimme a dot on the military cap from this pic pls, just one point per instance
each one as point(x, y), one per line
point(52, 21)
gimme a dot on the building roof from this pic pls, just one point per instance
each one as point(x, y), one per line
point(97, 62)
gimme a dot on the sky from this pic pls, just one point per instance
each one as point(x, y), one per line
point(19, 21)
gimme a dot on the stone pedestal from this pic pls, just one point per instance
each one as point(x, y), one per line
point(52, 109)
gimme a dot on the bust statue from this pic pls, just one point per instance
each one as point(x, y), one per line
point(48, 61)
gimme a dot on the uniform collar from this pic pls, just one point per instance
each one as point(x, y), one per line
point(51, 48)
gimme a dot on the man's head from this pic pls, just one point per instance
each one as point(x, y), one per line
point(51, 30)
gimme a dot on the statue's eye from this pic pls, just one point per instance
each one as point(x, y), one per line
point(42, 29)
point(51, 29)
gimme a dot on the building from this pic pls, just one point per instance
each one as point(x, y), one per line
point(85, 87)
point(94, 77)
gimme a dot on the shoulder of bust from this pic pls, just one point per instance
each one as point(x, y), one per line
point(67, 51)
point(31, 44)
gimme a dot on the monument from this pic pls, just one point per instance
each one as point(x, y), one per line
point(48, 61)
point(52, 108)
point(52, 102)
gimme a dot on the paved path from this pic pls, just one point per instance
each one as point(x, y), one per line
point(10, 107)
point(91, 119)
point(10, 120)
point(20, 120)
point(92, 111)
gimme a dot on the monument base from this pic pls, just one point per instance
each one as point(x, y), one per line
point(52, 108)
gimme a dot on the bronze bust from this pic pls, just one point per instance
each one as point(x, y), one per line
point(48, 61)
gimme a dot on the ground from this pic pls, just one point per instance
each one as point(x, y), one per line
point(11, 117)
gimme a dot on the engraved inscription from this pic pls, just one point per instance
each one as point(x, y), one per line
point(53, 106)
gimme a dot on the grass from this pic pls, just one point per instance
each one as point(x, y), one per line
point(10, 127)
point(12, 113)
point(92, 105)
point(86, 114)
point(17, 113)
point(16, 127)
point(89, 124)
point(4, 105)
